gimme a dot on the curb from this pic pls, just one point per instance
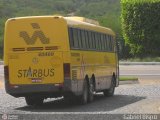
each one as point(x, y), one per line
point(139, 63)
point(1, 62)
point(128, 82)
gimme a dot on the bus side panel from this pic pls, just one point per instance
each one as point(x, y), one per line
point(100, 64)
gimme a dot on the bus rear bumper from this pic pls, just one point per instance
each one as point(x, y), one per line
point(17, 89)
point(46, 90)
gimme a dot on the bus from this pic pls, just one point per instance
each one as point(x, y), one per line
point(53, 56)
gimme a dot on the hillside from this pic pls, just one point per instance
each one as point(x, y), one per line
point(107, 12)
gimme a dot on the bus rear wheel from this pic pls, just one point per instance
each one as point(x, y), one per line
point(31, 101)
point(84, 96)
point(91, 90)
point(110, 92)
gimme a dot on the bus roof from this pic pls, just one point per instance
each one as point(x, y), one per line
point(83, 19)
point(88, 24)
point(75, 21)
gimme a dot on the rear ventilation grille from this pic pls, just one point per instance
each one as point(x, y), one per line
point(34, 48)
point(74, 74)
point(51, 48)
point(18, 49)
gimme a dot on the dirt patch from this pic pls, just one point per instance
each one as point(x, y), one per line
point(149, 81)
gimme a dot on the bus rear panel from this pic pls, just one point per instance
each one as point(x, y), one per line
point(34, 55)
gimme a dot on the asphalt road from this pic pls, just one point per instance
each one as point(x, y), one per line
point(140, 70)
point(142, 98)
point(145, 73)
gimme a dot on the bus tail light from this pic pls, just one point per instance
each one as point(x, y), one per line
point(6, 73)
point(67, 71)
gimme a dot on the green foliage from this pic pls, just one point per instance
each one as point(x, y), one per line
point(128, 78)
point(141, 26)
point(107, 12)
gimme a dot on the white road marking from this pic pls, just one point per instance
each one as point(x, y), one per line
point(76, 113)
point(139, 74)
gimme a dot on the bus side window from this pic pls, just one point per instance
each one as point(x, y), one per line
point(87, 39)
point(90, 40)
point(93, 40)
point(110, 43)
point(79, 38)
point(102, 48)
point(99, 41)
point(70, 34)
point(83, 39)
point(96, 41)
point(105, 42)
point(113, 44)
point(75, 38)
point(108, 47)
point(104, 45)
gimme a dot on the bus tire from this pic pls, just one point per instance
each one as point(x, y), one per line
point(31, 101)
point(91, 91)
point(84, 97)
point(110, 92)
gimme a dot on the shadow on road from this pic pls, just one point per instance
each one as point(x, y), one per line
point(100, 103)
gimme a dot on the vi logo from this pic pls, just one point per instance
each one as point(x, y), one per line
point(30, 40)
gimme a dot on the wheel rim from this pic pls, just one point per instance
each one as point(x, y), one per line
point(91, 90)
point(85, 94)
point(112, 86)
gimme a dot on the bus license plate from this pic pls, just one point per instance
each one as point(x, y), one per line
point(36, 80)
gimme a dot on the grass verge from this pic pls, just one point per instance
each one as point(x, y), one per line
point(127, 78)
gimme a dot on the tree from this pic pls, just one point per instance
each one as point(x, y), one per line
point(141, 26)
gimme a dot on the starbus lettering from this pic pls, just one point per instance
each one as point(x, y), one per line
point(35, 73)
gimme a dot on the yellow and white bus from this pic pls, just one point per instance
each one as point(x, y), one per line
point(51, 56)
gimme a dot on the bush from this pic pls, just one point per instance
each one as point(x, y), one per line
point(141, 26)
